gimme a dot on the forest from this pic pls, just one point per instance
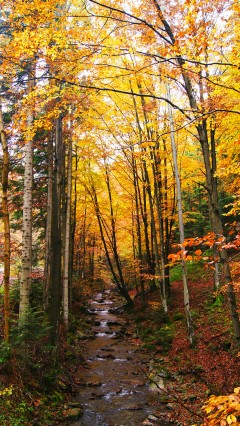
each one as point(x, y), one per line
point(120, 147)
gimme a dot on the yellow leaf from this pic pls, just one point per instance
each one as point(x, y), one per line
point(231, 419)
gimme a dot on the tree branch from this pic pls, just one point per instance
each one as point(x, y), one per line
point(141, 21)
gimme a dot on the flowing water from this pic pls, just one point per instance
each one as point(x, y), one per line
point(114, 389)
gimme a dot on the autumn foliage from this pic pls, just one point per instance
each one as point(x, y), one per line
point(223, 410)
point(121, 120)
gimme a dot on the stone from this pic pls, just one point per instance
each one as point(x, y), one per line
point(152, 417)
point(133, 407)
point(73, 413)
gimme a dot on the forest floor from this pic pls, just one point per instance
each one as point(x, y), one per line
point(190, 374)
point(210, 366)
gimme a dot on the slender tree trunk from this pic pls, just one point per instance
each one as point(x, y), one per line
point(27, 215)
point(56, 267)
point(158, 195)
point(48, 254)
point(138, 225)
point(159, 261)
point(181, 226)
point(167, 223)
point(144, 213)
point(92, 257)
point(73, 231)
point(6, 273)
point(67, 240)
point(136, 268)
point(214, 184)
point(83, 244)
point(143, 199)
point(155, 247)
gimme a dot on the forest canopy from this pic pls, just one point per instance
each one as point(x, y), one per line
point(120, 151)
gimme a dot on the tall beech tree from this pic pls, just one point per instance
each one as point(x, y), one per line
point(6, 221)
point(180, 222)
point(67, 247)
point(55, 288)
point(27, 208)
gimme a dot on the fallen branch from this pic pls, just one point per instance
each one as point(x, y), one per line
point(175, 398)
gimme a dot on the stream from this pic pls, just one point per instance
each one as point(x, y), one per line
point(114, 389)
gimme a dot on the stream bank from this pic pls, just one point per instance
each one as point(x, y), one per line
point(113, 388)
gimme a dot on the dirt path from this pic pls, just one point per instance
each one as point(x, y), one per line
point(114, 388)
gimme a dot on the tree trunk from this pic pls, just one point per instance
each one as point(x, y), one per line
point(48, 254)
point(27, 216)
point(167, 223)
point(181, 226)
point(143, 199)
point(73, 231)
point(67, 240)
point(158, 196)
point(56, 243)
point(138, 225)
point(6, 273)
point(159, 260)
